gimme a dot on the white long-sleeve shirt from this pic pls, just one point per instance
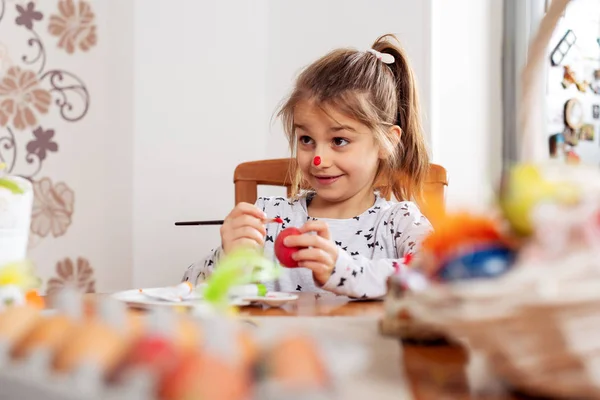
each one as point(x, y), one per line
point(369, 245)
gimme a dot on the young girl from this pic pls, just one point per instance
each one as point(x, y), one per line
point(353, 125)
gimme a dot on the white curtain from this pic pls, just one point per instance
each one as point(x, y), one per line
point(521, 20)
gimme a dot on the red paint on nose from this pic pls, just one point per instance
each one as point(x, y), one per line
point(317, 160)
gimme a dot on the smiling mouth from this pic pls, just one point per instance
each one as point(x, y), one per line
point(326, 179)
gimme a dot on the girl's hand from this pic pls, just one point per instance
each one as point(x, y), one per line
point(320, 254)
point(243, 227)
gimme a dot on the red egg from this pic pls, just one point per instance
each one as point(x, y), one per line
point(155, 351)
point(284, 253)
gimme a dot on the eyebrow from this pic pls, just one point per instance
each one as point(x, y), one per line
point(342, 128)
point(299, 126)
point(333, 128)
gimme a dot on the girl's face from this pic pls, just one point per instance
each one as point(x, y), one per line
point(348, 151)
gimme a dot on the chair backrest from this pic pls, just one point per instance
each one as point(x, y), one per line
point(276, 172)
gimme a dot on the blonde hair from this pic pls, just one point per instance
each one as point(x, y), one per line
point(378, 95)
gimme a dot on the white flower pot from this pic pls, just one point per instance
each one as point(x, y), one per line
point(15, 219)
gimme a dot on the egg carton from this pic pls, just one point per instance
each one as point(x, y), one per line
point(33, 378)
point(30, 379)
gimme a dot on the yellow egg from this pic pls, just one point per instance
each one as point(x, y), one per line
point(525, 188)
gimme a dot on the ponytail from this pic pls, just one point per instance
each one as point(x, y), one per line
point(407, 169)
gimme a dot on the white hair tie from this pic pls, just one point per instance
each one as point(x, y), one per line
point(384, 57)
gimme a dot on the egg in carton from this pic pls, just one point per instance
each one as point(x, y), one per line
point(109, 353)
point(299, 364)
point(236, 361)
point(62, 355)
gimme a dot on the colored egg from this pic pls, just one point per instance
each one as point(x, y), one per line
point(203, 376)
point(16, 321)
point(92, 342)
point(295, 361)
point(488, 262)
point(283, 252)
point(49, 333)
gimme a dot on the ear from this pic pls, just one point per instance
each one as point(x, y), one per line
point(394, 134)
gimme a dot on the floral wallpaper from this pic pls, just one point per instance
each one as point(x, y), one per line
point(40, 91)
point(80, 275)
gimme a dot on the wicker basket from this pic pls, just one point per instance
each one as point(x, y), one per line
point(398, 322)
point(538, 336)
point(537, 325)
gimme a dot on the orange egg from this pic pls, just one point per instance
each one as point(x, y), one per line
point(48, 333)
point(203, 376)
point(16, 321)
point(93, 341)
point(182, 380)
point(221, 380)
point(295, 361)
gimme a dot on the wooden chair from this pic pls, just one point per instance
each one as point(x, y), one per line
point(247, 176)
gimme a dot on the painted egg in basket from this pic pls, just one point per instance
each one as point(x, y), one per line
point(487, 262)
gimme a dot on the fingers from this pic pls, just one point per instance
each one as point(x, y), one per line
point(313, 255)
point(248, 221)
point(242, 243)
point(307, 240)
point(243, 227)
point(321, 273)
point(244, 232)
point(246, 209)
point(320, 261)
point(320, 227)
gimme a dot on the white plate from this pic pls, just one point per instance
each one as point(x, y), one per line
point(135, 298)
point(273, 299)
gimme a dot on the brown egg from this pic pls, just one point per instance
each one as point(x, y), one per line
point(48, 332)
point(295, 361)
point(93, 341)
point(16, 321)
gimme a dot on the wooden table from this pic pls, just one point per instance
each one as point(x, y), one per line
point(396, 371)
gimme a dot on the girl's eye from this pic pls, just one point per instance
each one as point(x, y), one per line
point(340, 142)
point(305, 139)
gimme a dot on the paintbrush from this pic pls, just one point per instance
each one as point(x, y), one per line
point(220, 222)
